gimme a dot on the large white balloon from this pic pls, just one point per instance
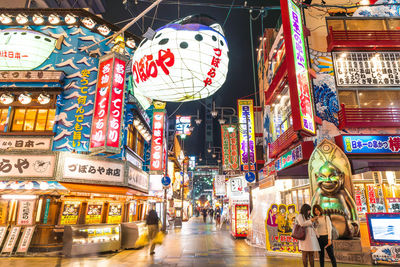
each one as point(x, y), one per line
point(186, 60)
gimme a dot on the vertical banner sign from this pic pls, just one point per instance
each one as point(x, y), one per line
point(25, 212)
point(219, 185)
point(230, 151)
point(157, 142)
point(299, 82)
point(108, 106)
point(246, 112)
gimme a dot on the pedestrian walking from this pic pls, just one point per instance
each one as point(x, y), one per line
point(218, 217)
point(204, 215)
point(211, 212)
point(152, 225)
point(324, 232)
point(310, 244)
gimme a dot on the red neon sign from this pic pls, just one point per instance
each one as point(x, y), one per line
point(157, 142)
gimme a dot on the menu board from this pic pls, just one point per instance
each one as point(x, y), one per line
point(11, 239)
point(70, 212)
point(375, 199)
point(242, 220)
point(360, 199)
point(114, 213)
point(25, 212)
point(25, 240)
point(3, 212)
point(94, 212)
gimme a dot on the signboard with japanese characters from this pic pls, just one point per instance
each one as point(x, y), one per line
point(133, 159)
point(11, 239)
point(367, 69)
point(137, 178)
point(246, 121)
point(3, 231)
point(25, 240)
point(80, 168)
point(114, 213)
point(182, 125)
point(25, 212)
point(289, 158)
point(369, 144)
point(219, 185)
point(108, 106)
point(31, 76)
point(360, 199)
point(230, 149)
point(157, 142)
point(296, 57)
point(26, 143)
point(27, 166)
point(70, 212)
point(94, 212)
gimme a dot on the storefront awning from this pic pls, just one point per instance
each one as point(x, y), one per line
point(102, 189)
point(364, 165)
point(299, 171)
point(32, 188)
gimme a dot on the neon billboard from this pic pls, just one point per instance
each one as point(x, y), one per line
point(247, 144)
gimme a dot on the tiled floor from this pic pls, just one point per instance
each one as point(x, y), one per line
point(196, 244)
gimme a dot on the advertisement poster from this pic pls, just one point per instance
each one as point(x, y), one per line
point(230, 150)
point(360, 199)
point(376, 202)
point(242, 220)
point(3, 211)
point(25, 212)
point(70, 212)
point(386, 254)
point(279, 225)
point(114, 213)
point(246, 120)
point(94, 212)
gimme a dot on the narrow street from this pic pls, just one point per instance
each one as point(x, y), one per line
point(196, 244)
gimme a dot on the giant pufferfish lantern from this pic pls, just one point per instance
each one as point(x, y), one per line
point(186, 60)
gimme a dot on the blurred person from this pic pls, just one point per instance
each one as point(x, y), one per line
point(211, 212)
point(218, 217)
point(204, 215)
point(152, 225)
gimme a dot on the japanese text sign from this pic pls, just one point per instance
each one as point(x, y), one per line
point(246, 121)
point(157, 142)
point(138, 179)
point(299, 83)
point(369, 144)
point(42, 166)
point(27, 143)
point(219, 185)
point(183, 124)
point(25, 212)
point(108, 107)
point(230, 150)
point(289, 158)
point(92, 171)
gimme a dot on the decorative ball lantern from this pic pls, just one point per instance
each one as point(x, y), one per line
point(184, 61)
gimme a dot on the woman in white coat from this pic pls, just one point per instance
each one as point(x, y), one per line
point(310, 244)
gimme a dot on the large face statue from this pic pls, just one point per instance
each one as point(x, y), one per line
point(329, 178)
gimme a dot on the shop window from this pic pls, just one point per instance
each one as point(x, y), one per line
point(140, 145)
point(366, 25)
point(393, 24)
point(336, 24)
point(294, 198)
point(281, 112)
point(135, 141)
point(3, 118)
point(370, 98)
point(33, 120)
point(348, 98)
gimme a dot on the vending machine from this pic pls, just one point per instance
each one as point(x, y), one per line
point(239, 220)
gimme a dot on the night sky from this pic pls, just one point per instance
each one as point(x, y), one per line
point(239, 82)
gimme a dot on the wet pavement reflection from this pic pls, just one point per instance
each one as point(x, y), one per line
point(195, 244)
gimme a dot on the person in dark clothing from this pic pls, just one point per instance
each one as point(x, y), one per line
point(205, 215)
point(211, 212)
point(152, 225)
point(218, 216)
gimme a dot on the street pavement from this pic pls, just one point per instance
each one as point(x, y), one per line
point(195, 244)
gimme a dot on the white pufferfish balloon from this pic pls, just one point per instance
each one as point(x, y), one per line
point(186, 60)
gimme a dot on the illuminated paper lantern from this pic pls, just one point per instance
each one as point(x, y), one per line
point(186, 60)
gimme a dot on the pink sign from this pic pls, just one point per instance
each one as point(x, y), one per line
point(117, 100)
point(99, 123)
point(157, 142)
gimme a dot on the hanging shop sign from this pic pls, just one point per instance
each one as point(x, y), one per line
point(230, 150)
point(25, 240)
point(94, 212)
point(157, 163)
point(246, 122)
point(133, 159)
point(279, 224)
point(182, 125)
point(31, 76)
point(114, 213)
point(369, 144)
point(367, 69)
point(138, 178)
point(25, 212)
point(192, 163)
point(219, 185)
point(70, 212)
point(186, 60)
point(295, 155)
point(88, 170)
point(25, 49)
point(299, 81)
point(26, 143)
point(11, 240)
point(106, 124)
point(27, 165)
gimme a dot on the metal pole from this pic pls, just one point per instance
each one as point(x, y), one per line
point(248, 159)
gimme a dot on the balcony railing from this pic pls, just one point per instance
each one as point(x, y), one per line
point(343, 39)
point(368, 117)
point(284, 141)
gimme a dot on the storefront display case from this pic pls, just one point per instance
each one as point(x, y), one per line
point(86, 239)
point(239, 220)
point(130, 232)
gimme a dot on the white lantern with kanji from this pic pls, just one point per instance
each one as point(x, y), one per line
point(186, 60)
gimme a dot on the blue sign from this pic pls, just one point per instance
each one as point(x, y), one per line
point(370, 144)
point(166, 181)
point(250, 177)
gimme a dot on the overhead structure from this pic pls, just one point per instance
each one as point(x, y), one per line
point(185, 60)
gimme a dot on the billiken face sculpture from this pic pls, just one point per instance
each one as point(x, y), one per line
point(329, 178)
